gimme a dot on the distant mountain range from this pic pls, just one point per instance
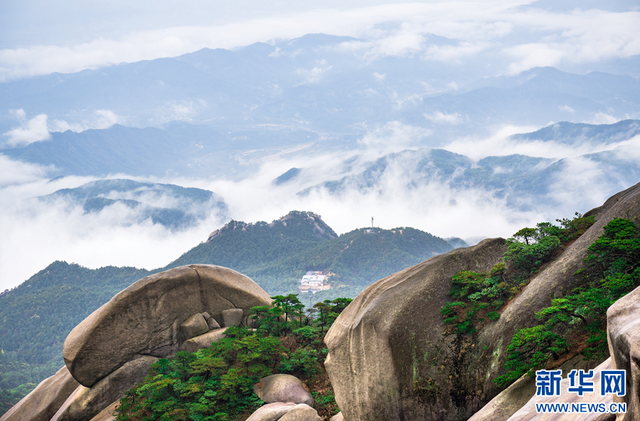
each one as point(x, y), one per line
point(180, 149)
point(524, 182)
point(187, 150)
point(222, 114)
point(323, 84)
point(578, 134)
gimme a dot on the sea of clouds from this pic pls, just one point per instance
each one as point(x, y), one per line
point(36, 233)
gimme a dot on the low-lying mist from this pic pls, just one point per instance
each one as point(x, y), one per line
point(399, 193)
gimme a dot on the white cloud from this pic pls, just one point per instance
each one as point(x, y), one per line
point(533, 55)
point(581, 36)
point(400, 198)
point(453, 53)
point(499, 144)
point(315, 74)
point(34, 234)
point(602, 118)
point(103, 119)
point(39, 128)
point(31, 242)
point(401, 44)
point(379, 77)
point(30, 131)
point(629, 150)
point(178, 110)
point(276, 53)
point(15, 173)
point(580, 185)
point(392, 137)
point(566, 108)
point(411, 99)
point(396, 200)
point(409, 41)
point(19, 114)
point(445, 118)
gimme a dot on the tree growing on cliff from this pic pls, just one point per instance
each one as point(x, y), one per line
point(613, 271)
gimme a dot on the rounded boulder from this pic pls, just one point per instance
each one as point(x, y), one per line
point(301, 412)
point(271, 411)
point(382, 345)
point(282, 388)
point(145, 318)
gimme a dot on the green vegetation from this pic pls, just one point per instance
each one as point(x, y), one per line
point(217, 383)
point(10, 397)
point(480, 296)
point(37, 316)
point(578, 320)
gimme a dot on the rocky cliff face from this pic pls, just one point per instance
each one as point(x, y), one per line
point(623, 331)
point(43, 401)
point(390, 359)
point(555, 280)
point(382, 347)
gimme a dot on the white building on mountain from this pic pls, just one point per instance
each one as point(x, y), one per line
point(313, 281)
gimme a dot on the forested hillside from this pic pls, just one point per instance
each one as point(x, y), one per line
point(37, 316)
point(276, 255)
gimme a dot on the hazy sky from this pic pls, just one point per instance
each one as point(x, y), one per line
point(40, 36)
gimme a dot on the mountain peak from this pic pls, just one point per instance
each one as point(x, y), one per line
point(298, 223)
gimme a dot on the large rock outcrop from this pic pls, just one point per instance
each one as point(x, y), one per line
point(85, 402)
point(555, 280)
point(623, 331)
point(301, 412)
point(203, 341)
point(107, 413)
point(145, 318)
point(508, 401)
point(390, 359)
point(380, 344)
point(271, 411)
